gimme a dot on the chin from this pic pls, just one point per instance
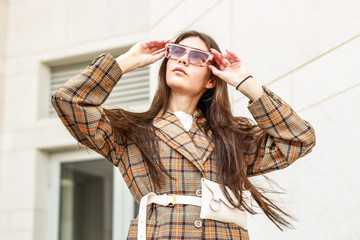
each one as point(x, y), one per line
point(173, 85)
point(176, 81)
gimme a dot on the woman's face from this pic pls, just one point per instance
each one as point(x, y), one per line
point(185, 78)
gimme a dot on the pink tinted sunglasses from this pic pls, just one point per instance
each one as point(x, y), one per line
point(196, 56)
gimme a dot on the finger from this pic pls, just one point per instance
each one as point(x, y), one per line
point(233, 55)
point(229, 58)
point(226, 62)
point(158, 51)
point(155, 45)
point(224, 58)
point(220, 60)
point(215, 52)
point(216, 71)
point(217, 56)
point(158, 56)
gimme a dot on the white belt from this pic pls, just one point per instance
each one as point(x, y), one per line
point(163, 200)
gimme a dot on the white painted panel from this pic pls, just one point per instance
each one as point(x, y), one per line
point(328, 75)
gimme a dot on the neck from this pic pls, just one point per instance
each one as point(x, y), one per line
point(185, 103)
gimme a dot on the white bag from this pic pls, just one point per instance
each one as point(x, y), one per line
point(215, 205)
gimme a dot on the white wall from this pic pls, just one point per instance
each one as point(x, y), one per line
point(307, 51)
point(3, 31)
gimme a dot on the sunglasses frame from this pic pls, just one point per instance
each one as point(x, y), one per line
point(188, 49)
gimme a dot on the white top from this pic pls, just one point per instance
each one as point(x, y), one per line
point(185, 119)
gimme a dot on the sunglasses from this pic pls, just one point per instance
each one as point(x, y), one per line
point(196, 56)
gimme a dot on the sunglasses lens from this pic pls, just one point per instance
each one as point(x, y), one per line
point(175, 52)
point(198, 58)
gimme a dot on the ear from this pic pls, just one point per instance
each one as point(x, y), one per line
point(211, 82)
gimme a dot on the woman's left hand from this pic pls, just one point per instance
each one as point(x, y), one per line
point(231, 68)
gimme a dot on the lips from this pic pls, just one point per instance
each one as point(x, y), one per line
point(178, 69)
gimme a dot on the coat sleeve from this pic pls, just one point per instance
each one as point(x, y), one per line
point(78, 101)
point(284, 136)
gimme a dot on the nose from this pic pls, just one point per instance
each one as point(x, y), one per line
point(184, 59)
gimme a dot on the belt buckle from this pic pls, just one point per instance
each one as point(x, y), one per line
point(173, 202)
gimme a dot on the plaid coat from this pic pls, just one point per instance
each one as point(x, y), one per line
point(188, 156)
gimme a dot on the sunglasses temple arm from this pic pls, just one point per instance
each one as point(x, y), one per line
point(160, 50)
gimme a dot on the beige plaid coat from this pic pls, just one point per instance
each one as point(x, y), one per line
point(187, 156)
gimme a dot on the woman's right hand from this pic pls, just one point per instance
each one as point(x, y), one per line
point(142, 54)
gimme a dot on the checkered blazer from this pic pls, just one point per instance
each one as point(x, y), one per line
point(187, 156)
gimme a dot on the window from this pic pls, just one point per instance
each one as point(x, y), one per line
point(88, 198)
point(132, 90)
point(86, 201)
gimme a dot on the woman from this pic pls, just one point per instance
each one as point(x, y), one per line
point(188, 133)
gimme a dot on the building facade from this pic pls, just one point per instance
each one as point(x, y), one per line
point(305, 51)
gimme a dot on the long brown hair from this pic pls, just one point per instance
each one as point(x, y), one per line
point(230, 135)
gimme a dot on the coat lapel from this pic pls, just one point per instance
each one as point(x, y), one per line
point(193, 145)
point(201, 141)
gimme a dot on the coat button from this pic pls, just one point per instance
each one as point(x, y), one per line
point(198, 193)
point(198, 223)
